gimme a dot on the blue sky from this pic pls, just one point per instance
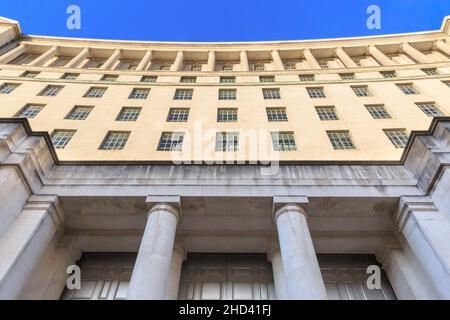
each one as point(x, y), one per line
point(230, 20)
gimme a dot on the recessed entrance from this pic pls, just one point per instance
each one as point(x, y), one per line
point(226, 277)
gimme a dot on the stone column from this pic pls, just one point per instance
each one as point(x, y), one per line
point(178, 63)
point(301, 269)
point(443, 46)
point(311, 59)
point(427, 232)
point(416, 54)
point(145, 62)
point(111, 60)
point(44, 57)
point(244, 61)
point(277, 60)
point(211, 66)
point(14, 53)
point(25, 241)
point(380, 56)
point(345, 58)
point(78, 58)
point(278, 274)
point(152, 268)
point(176, 264)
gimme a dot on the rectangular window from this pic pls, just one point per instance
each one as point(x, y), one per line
point(267, 79)
point(60, 138)
point(227, 94)
point(398, 137)
point(95, 92)
point(227, 67)
point(129, 114)
point(347, 76)
point(290, 66)
point(340, 140)
point(316, 93)
point(283, 141)
point(109, 77)
point(430, 109)
point(79, 113)
point(407, 88)
point(323, 64)
point(276, 114)
point(50, 91)
point(327, 113)
point(149, 78)
point(165, 67)
point(431, 71)
point(307, 77)
point(259, 67)
point(178, 115)
point(377, 111)
point(30, 111)
point(227, 79)
point(30, 74)
point(94, 63)
point(389, 74)
point(271, 94)
point(362, 91)
point(183, 94)
point(171, 141)
point(139, 93)
point(196, 67)
point(227, 115)
point(127, 64)
point(70, 76)
point(188, 79)
point(227, 141)
point(115, 140)
point(7, 88)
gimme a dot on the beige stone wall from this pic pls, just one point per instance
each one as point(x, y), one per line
point(310, 132)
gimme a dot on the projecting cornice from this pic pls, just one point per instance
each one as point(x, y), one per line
point(446, 25)
point(11, 23)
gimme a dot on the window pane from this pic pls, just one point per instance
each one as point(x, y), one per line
point(227, 94)
point(283, 141)
point(276, 114)
point(227, 141)
point(178, 115)
point(316, 92)
point(271, 94)
point(183, 94)
point(60, 138)
point(327, 113)
point(340, 140)
point(138, 93)
point(51, 91)
point(398, 137)
point(378, 111)
point(129, 114)
point(79, 113)
point(115, 140)
point(30, 111)
point(171, 141)
point(227, 115)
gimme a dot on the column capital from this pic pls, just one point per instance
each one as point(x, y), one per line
point(170, 204)
point(410, 204)
point(283, 204)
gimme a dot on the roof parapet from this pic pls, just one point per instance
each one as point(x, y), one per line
point(446, 25)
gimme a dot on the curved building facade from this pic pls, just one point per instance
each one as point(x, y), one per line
point(259, 170)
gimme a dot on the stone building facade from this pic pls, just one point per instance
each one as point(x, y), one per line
point(356, 174)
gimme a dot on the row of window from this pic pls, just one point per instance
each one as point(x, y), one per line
point(228, 79)
point(224, 94)
point(276, 114)
point(228, 141)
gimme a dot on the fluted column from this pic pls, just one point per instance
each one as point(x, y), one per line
point(178, 63)
point(211, 66)
point(47, 55)
point(311, 59)
point(383, 59)
point(416, 54)
point(111, 60)
point(443, 46)
point(277, 60)
point(244, 61)
point(301, 269)
point(78, 58)
point(145, 62)
point(14, 53)
point(427, 231)
point(152, 267)
point(25, 241)
point(278, 274)
point(173, 282)
point(345, 58)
